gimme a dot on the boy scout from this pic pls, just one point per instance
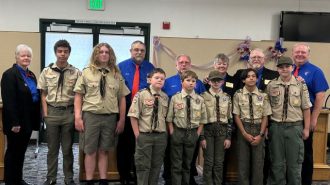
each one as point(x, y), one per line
point(289, 124)
point(217, 133)
point(148, 112)
point(56, 83)
point(100, 96)
point(186, 116)
point(251, 111)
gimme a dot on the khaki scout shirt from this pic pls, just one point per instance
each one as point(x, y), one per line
point(260, 105)
point(298, 99)
point(88, 84)
point(142, 108)
point(177, 112)
point(48, 81)
point(225, 106)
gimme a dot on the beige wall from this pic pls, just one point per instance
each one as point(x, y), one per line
point(9, 41)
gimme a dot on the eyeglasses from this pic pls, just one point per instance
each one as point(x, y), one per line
point(139, 50)
point(256, 57)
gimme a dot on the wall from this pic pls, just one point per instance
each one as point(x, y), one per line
point(220, 19)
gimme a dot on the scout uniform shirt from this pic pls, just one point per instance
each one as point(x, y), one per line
point(211, 106)
point(89, 84)
point(144, 106)
point(177, 112)
point(297, 100)
point(58, 93)
point(260, 105)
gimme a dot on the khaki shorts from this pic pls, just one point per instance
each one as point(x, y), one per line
point(99, 132)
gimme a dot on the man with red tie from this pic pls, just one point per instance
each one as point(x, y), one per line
point(134, 71)
point(317, 86)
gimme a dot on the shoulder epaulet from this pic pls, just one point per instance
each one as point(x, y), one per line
point(239, 91)
point(142, 89)
point(178, 92)
point(205, 92)
point(85, 68)
point(226, 94)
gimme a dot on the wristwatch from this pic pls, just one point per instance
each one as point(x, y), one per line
point(262, 134)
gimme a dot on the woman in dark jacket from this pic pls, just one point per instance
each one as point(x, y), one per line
point(21, 113)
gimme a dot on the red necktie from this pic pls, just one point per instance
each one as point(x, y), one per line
point(296, 71)
point(136, 80)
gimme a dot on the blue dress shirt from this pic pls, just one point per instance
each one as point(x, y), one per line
point(30, 83)
point(127, 68)
point(173, 85)
point(314, 78)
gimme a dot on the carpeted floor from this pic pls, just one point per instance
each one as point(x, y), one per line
point(35, 167)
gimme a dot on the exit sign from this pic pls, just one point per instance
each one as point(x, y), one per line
point(96, 4)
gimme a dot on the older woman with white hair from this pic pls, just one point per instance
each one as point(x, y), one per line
point(21, 112)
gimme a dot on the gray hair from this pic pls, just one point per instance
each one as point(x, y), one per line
point(258, 49)
point(22, 47)
point(182, 55)
point(302, 44)
point(221, 57)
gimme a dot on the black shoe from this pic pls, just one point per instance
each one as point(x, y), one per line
point(192, 181)
point(49, 182)
point(23, 182)
point(103, 182)
point(70, 183)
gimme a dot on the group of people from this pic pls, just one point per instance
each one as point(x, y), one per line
point(161, 120)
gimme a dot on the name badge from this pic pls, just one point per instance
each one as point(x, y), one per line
point(229, 84)
point(267, 82)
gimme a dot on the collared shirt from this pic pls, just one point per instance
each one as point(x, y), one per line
point(143, 106)
point(297, 102)
point(259, 72)
point(88, 84)
point(177, 111)
point(173, 85)
point(260, 104)
point(314, 79)
point(48, 81)
point(225, 106)
point(127, 68)
point(32, 85)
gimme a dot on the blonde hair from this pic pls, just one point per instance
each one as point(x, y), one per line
point(94, 63)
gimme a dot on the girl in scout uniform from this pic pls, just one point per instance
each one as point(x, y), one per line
point(186, 116)
point(217, 133)
point(147, 113)
point(251, 111)
point(100, 96)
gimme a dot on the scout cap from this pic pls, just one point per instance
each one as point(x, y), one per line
point(284, 60)
point(215, 75)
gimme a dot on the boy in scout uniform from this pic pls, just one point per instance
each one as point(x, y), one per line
point(100, 96)
point(186, 116)
point(289, 125)
point(148, 112)
point(251, 111)
point(56, 83)
point(217, 133)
